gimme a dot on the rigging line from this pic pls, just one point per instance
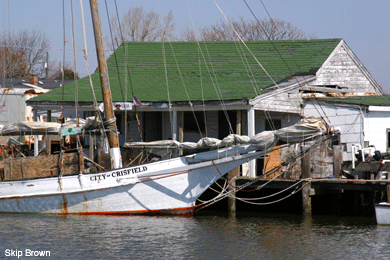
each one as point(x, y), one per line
point(292, 159)
point(185, 89)
point(202, 90)
point(128, 71)
point(3, 49)
point(74, 65)
point(116, 63)
point(271, 41)
point(269, 119)
point(200, 69)
point(212, 201)
point(215, 84)
point(269, 38)
point(239, 37)
point(275, 201)
point(63, 64)
point(85, 50)
point(272, 195)
point(266, 10)
point(169, 98)
point(219, 193)
point(248, 69)
point(258, 62)
point(217, 89)
point(115, 56)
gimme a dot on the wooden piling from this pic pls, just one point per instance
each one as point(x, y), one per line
point(306, 173)
point(306, 199)
point(231, 177)
point(337, 160)
point(231, 199)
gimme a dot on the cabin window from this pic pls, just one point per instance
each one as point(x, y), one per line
point(272, 124)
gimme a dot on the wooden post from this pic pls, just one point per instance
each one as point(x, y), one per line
point(251, 133)
point(337, 160)
point(388, 193)
point(48, 144)
point(92, 147)
point(36, 147)
point(48, 137)
point(306, 199)
point(234, 173)
point(48, 117)
point(305, 164)
point(180, 122)
point(231, 199)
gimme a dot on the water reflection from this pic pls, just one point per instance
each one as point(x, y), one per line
point(207, 236)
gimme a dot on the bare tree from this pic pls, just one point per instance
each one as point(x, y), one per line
point(56, 71)
point(248, 30)
point(12, 63)
point(30, 47)
point(138, 25)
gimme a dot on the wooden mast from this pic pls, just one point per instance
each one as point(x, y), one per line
point(105, 84)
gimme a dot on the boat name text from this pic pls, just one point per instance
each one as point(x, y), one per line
point(120, 173)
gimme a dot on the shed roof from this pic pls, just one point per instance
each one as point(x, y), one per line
point(359, 100)
point(42, 83)
point(204, 71)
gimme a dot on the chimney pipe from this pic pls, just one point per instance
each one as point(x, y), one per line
point(33, 81)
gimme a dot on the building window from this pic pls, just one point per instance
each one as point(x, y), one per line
point(191, 125)
point(388, 140)
point(272, 124)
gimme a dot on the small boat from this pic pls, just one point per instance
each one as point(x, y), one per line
point(382, 213)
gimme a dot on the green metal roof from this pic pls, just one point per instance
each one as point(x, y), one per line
point(359, 100)
point(205, 69)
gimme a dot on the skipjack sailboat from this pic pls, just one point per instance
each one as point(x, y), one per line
point(169, 187)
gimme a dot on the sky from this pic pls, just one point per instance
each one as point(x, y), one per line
point(363, 24)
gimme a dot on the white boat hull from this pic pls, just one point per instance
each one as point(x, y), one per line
point(170, 187)
point(382, 213)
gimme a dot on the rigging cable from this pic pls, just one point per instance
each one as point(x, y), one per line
point(236, 189)
point(128, 71)
point(200, 70)
point(74, 66)
point(63, 62)
point(124, 97)
point(185, 89)
point(173, 135)
point(242, 41)
point(270, 40)
point(212, 72)
point(85, 51)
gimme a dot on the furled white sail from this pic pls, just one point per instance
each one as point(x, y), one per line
point(306, 129)
point(47, 128)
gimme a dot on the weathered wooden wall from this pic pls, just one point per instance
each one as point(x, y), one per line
point(41, 166)
point(343, 69)
point(350, 120)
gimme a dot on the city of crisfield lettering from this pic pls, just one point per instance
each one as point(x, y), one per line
point(119, 173)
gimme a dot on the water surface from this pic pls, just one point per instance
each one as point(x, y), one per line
point(205, 236)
